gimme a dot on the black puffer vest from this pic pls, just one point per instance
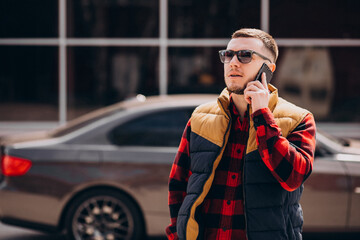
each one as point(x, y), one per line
point(271, 212)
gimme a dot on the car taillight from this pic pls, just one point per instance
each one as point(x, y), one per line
point(14, 166)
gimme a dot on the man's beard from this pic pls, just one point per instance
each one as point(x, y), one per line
point(237, 88)
point(238, 91)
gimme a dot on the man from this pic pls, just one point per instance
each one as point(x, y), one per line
point(242, 160)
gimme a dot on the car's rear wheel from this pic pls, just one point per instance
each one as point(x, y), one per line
point(104, 215)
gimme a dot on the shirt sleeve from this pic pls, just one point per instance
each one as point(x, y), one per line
point(179, 175)
point(290, 159)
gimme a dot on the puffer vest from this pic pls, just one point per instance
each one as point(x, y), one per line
point(271, 212)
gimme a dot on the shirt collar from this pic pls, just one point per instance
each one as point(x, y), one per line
point(224, 100)
point(232, 107)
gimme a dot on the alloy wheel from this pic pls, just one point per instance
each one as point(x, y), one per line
point(102, 218)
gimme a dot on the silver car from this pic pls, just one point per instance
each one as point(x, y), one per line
point(104, 176)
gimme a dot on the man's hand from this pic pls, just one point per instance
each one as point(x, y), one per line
point(257, 94)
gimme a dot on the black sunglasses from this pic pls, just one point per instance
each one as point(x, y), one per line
point(244, 56)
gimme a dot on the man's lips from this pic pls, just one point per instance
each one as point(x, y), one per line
point(234, 74)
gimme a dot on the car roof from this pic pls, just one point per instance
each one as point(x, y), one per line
point(178, 99)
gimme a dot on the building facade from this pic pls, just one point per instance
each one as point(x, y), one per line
point(60, 59)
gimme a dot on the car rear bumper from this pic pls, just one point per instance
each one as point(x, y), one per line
point(23, 209)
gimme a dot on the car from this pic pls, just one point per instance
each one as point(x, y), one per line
point(105, 174)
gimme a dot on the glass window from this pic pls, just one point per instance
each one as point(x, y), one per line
point(211, 19)
point(29, 83)
point(112, 18)
point(100, 76)
point(315, 19)
point(195, 70)
point(84, 120)
point(323, 80)
point(28, 19)
point(321, 151)
point(162, 129)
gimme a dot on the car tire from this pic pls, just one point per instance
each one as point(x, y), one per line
point(104, 215)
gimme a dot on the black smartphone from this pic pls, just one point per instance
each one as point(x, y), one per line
point(268, 73)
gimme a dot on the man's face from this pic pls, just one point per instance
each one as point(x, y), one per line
point(238, 74)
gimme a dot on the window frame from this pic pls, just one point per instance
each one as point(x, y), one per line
point(162, 41)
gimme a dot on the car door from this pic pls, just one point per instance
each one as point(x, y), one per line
point(352, 163)
point(143, 150)
point(325, 200)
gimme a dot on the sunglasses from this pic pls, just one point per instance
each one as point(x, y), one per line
point(244, 56)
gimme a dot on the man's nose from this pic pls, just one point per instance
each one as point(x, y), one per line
point(234, 62)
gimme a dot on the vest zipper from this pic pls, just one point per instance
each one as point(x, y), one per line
point(228, 127)
point(226, 132)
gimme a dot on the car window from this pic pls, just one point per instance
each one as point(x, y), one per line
point(163, 129)
point(83, 121)
point(320, 151)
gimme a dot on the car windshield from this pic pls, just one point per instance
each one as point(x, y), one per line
point(96, 115)
point(82, 121)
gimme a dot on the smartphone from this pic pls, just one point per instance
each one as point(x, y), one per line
point(268, 72)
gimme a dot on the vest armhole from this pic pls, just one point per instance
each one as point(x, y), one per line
point(304, 114)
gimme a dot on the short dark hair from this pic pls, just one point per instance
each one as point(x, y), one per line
point(266, 38)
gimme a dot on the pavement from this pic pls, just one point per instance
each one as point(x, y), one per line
point(15, 233)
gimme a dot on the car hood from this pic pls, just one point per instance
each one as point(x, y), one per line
point(353, 148)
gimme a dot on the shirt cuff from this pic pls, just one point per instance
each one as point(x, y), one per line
point(263, 117)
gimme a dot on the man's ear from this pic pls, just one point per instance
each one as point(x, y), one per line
point(272, 66)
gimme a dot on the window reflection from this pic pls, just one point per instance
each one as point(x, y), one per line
point(112, 18)
point(315, 19)
point(195, 70)
point(100, 76)
point(322, 80)
point(28, 83)
point(211, 19)
point(24, 18)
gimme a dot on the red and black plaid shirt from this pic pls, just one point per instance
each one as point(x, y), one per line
point(289, 160)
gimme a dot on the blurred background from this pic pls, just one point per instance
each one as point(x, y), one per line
point(60, 59)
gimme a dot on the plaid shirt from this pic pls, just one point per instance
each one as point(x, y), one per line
point(289, 160)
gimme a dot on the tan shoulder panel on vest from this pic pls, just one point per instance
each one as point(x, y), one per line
point(210, 122)
point(287, 116)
